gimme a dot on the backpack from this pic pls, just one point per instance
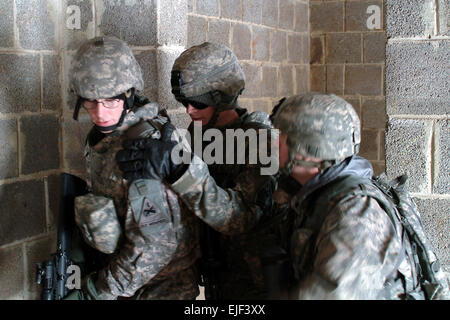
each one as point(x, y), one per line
point(429, 282)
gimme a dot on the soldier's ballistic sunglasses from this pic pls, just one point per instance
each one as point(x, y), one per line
point(196, 105)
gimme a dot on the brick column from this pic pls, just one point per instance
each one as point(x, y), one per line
point(347, 59)
point(417, 97)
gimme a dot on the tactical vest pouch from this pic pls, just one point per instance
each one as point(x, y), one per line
point(150, 210)
point(97, 219)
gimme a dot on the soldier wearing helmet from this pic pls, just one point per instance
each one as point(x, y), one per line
point(342, 244)
point(230, 198)
point(150, 250)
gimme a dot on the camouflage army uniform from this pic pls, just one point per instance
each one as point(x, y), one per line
point(356, 252)
point(227, 197)
point(139, 266)
point(151, 244)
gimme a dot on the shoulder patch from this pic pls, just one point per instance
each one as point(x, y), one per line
point(150, 214)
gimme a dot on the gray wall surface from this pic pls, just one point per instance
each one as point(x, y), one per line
point(418, 107)
point(285, 47)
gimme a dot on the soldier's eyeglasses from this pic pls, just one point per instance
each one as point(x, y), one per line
point(107, 103)
point(196, 105)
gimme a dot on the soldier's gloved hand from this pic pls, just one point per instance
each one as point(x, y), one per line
point(150, 158)
point(88, 290)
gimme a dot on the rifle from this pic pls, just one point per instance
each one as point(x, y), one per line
point(210, 265)
point(52, 274)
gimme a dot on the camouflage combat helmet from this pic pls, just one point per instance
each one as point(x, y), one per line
point(105, 67)
point(320, 126)
point(209, 74)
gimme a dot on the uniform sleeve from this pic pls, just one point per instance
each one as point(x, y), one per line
point(140, 258)
point(227, 210)
point(357, 249)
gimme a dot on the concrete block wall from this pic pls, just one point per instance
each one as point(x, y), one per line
point(38, 40)
point(417, 105)
point(347, 56)
point(269, 37)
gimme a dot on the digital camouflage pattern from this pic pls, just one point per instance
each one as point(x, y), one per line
point(318, 125)
point(344, 242)
point(230, 199)
point(96, 216)
point(105, 67)
point(208, 68)
point(141, 267)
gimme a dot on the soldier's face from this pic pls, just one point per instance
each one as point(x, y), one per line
point(300, 173)
point(203, 115)
point(105, 116)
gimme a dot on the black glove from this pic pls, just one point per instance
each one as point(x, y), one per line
point(150, 158)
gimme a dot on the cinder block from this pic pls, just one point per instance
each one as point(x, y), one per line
point(20, 80)
point(147, 61)
point(435, 216)
point(370, 141)
point(51, 83)
point(252, 11)
point(7, 23)
point(278, 46)
point(269, 13)
point(261, 105)
point(302, 79)
point(241, 41)
point(269, 81)
point(253, 75)
point(412, 18)
point(74, 135)
point(12, 273)
point(261, 43)
point(219, 31)
point(316, 50)
point(37, 252)
point(197, 28)
point(378, 167)
point(335, 79)
point(34, 20)
point(343, 48)
point(356, 15)
point(75, 35)
point(301, 17)
point(8, 156)
point(374, 113)
point(318, 78)
point(286, 81)
point(444, 17)
point(441, 184)
point(231, 9)
point(416, 80)
point(363, 79)
point(298, 48)
point(39, 143)
point(172, 23)
point(326, 16)
point(208, 7)
point(132, 21)
point(165, 59)
point(287, 14)
point(22, 213)
point(375, 47)
point(53, 190)
point(408, 151)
